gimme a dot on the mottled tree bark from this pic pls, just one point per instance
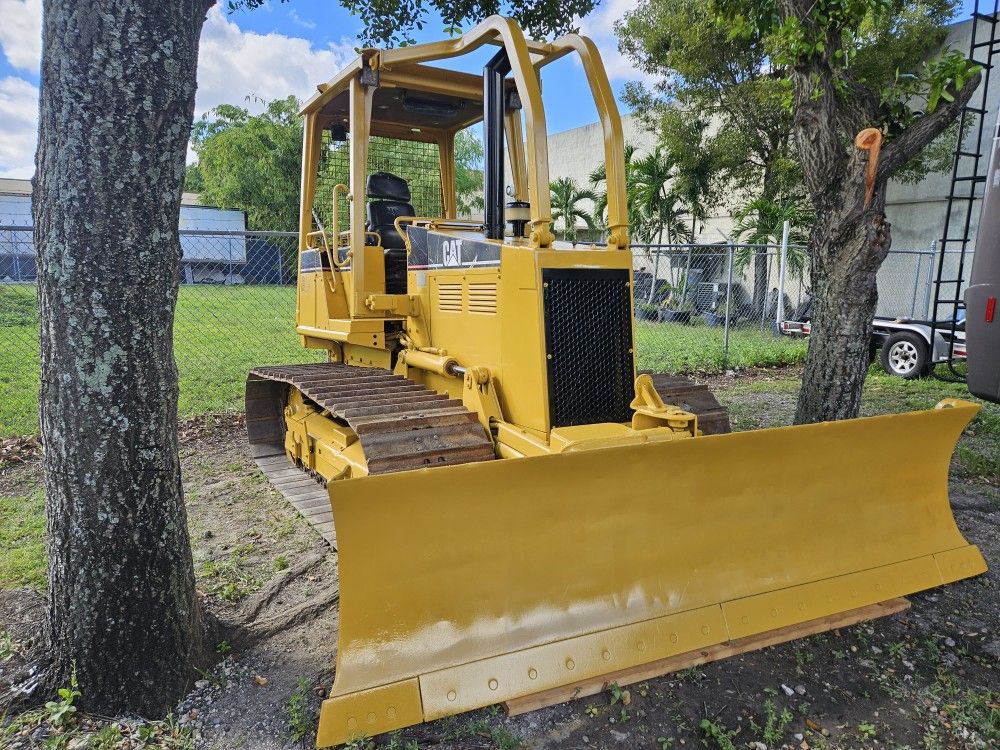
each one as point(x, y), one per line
point(117, 101)
point(849, 240)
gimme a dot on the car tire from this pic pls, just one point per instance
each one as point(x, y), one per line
point(905, 355)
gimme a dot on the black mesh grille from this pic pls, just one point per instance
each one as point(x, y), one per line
point(588, 339)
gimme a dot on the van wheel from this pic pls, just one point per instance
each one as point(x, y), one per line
point(905, 354)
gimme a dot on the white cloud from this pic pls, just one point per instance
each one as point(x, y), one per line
point(600, 26)
point(300, 21)
point(19, 104)
point(235, 64)
point(21, 33)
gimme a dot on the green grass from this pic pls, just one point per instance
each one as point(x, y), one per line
point(676, 348)
point(22, 541)
point(220, 333)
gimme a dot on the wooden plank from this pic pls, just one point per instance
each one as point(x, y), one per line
point(314, 511)
point(676, 663)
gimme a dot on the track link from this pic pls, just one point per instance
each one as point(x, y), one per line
point(401, 425)
point(713, 418)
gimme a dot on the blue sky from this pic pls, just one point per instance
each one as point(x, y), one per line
point(276, 50)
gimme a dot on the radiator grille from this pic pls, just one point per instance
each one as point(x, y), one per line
point(588, 342)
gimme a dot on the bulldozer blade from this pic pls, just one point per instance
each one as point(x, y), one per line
point(470, 585)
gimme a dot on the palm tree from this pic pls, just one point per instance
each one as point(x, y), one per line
point(761, 221)
point(566, 199)
point(600, 175)
point(659, 210)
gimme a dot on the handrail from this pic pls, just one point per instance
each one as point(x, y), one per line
point(614, 139)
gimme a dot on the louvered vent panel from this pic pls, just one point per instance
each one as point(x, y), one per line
point(450, 298)
point(483, 298)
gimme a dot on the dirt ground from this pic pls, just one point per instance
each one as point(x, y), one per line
point(928, 677)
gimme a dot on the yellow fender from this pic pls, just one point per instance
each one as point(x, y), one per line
point(470, 585)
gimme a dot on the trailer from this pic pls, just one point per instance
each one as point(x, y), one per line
point(906, 348)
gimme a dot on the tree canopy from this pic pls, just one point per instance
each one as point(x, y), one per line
point(250, 162)
point(253, 163)
point(393, 22)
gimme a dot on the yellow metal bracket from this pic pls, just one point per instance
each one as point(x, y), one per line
point(479, 394)
point(394, 304)
point(650, 411)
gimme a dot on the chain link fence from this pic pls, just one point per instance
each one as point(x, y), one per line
point(698, 308)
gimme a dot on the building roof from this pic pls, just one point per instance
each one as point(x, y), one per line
point(9, 186)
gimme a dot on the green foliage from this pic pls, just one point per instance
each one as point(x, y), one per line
point(61, 712)
point(663, 192)
point(299, 721)
point(392, 22)
point(707, 75)
point(468, 173)
point(761, 222)
point(566, 199)
point(250, 162)
point(775, 724)
point(734, 64)
point(722, 737)
point(871, 48)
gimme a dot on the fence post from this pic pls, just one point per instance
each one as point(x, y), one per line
point(782, 265)
point(729, 301)
point(930, 282)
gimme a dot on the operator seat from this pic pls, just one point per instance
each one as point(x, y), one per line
point(389, 197)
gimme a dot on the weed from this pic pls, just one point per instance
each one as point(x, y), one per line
point(775, 724)
point(299, 720)
point(665, 743)
point(223, 647)
point(619, 694)
point(504, 739)
point(592, 711)
point(107, 738)
point(723, 737)
point(229, 579)
point(281, 562)
point(803, 659)
point(396, 743)
point(896, 649)
point(61, 712)
point(866, 729)
point(217, 681)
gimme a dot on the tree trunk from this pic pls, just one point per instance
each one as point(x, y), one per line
point(760, 279)
point(843, 276)
point(117, 100)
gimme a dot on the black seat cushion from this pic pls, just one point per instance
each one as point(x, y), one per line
point(388, 186)
point(381, 218)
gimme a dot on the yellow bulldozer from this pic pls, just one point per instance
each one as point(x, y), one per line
point(517, 511)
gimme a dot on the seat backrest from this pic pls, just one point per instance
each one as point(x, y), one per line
point(389, 197)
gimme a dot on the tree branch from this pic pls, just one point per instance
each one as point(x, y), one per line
point(910, 142)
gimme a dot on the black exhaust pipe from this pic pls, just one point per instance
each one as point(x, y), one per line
point(493, 112)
